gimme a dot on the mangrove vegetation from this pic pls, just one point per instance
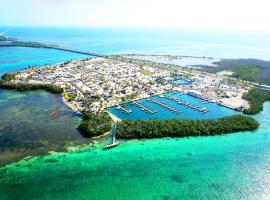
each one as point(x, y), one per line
point(254, 70)
point(29, 87)
point(256, 98)
point(8, 76)
point(130, 129)
point(94, 124)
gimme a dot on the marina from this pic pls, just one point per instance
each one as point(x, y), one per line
point(186, 104)
point(163, 105)
point(206, 101)
point(119, 107)
point(144, 108)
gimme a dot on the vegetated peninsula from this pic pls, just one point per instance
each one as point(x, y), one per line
point(256, 98)
point(91, 86)
point(183, 128)
point(93, 125)
point(23, 87)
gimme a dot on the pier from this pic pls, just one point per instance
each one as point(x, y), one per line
point(183, 103)
point(113, 135)
point(119, 107)
point(164, 105)
point(143, 108)
point(240, 109)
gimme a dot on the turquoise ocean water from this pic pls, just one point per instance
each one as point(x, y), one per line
point(234, 166)
point(16, 58)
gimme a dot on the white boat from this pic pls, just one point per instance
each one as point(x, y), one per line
point(111, 145)
point(212, 101)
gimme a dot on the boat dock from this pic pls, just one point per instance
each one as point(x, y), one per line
point(164, 105)
point(114, 143)
point(230, 107)
point(143, 108)
point(119, 107)
point(186, 104)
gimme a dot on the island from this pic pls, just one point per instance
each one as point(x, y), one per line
point(91, 86)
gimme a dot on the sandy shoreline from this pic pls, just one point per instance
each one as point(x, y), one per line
point(114, 117)
point(76, 109)
point(70, 105)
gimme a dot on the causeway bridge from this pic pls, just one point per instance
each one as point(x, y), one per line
point(47, 46)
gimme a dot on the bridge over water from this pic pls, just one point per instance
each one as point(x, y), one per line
point(39, 45)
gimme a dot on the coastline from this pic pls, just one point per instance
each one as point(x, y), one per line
point(70, 105)
point(101, 136)
point(114, 117)
point(76, 110)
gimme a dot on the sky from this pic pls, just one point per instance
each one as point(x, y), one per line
point(193, 14)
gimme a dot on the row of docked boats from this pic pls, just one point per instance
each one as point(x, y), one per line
point(119, 107)
point(143, 108)
point(164, 105)
point(170, 108)
point(186, 104)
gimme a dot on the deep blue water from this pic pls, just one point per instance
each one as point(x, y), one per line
point(215, 110)
point(120, 40)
